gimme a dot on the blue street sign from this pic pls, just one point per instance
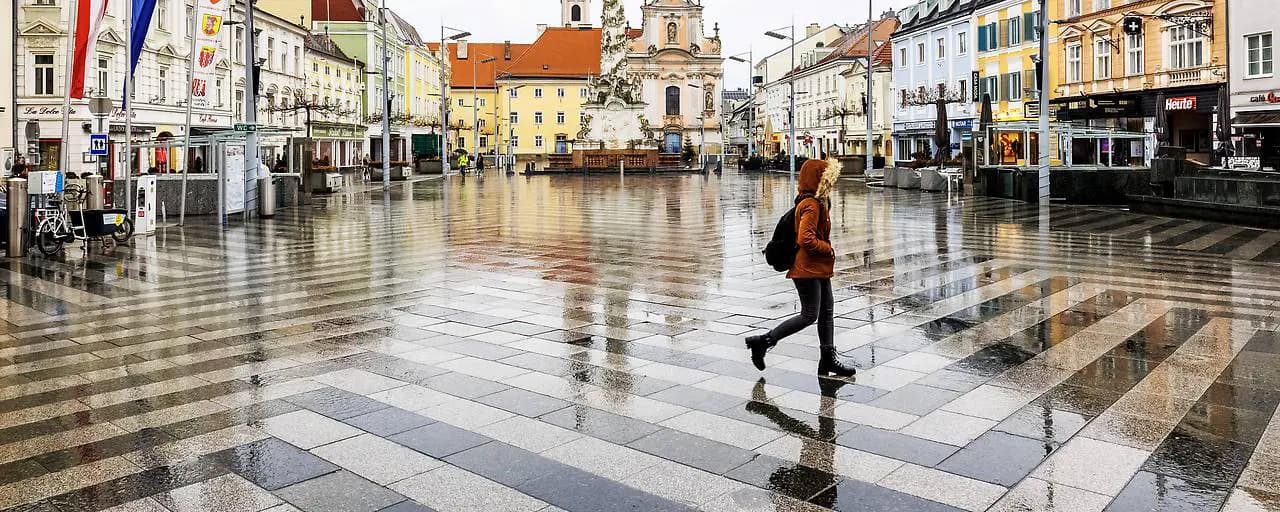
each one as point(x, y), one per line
point(98, 144)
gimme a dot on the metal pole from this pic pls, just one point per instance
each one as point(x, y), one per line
point(871, 107)
point(444, 104)
point(17, 202)
point(128, 114)
point(66, 87)
point(475, 115)
point(250, 99)
point(186, 146)
point(1044, 104)
point(751, 86)
point(386, 102)
point(791, 156)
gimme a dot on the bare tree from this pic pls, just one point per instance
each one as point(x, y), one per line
point(939, 98)
point(843, 113)
point(313, 108)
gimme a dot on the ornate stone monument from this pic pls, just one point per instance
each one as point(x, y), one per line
point(614, 110)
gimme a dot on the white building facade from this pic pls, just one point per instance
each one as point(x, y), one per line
point(935, 44)
point(1255, 86)
point(774, 94)
point(8, 122)
point(680, 71)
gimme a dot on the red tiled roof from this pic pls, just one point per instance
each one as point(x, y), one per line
point(854, 45)
point(560, 52)
point(485, 72)
point(337, 10)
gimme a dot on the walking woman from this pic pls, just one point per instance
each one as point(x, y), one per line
point(812, 271)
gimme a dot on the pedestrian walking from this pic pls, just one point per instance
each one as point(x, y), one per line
point(812, 269)
point(463, 161)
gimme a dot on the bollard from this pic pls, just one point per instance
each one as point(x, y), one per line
point(94, 184)
point(267, 197)
point(17, 217)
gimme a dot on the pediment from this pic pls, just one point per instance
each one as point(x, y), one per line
point(224, 64)
point(110, 36)
point(167, 50)
point(1099, 27)
point(40, 28)
point(1071, 32)
point(1177, 6)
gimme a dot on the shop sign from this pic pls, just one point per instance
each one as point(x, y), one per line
point(962, 124)
point(919, 125)
point(1180, 103)
point(1270, 97)
point(1031, 109)
point(1249, 163)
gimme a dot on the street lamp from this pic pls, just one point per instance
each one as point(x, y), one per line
point(791, 114)
point(444, 91)
point(475, 101)
point(511, 131)
point(702, 129)
point(751, 124)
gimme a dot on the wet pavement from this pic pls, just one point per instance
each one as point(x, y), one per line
point(575, 343)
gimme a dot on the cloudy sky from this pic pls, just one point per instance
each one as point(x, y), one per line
point(742, 22)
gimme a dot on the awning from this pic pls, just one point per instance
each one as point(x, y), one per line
point(1258, 119)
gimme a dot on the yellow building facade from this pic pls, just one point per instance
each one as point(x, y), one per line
point(1007, 41)
point(543, 117)
point(1121, 64)
point(335, 84)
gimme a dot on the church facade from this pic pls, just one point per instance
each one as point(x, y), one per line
point(680, 70)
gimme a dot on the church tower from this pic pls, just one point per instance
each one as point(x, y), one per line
point(575, 13)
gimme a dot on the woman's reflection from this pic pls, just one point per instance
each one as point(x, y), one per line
point(816, 450)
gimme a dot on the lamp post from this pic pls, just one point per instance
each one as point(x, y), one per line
point(444, 94)
point(1043, 98)
point(751, 124)
point(475, 103)
point(791, 113)
point(386, 102)
point(702, 132)
point(511, 131)
point(871, 107)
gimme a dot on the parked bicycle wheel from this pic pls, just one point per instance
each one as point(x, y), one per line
point(124, 231)
point(47, 237)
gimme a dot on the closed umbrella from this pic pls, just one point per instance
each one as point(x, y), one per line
point(1161, 124)
point(985, 120)
point(941, 133)
point(1224, 123)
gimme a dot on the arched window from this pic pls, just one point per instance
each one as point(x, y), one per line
point(673, 100)
point(576, 13)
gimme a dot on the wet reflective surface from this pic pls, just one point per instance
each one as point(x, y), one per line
point(575, 343)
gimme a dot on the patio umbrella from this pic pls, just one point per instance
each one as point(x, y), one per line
point(1224, 123)
point(1161, 124)
point(941, 133)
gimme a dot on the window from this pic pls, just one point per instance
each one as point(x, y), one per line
point(1031, 26)
point(462, 142)
point(512, 92)
point(987, 38)
point(239, 44)
point(575, 13)
point(537, 141)
point(482, 123)
point(1015, 31)
point(460, 103)
point(1073, 8)
point(162, 14)
point(186, 22)
point(484, 141)
point(297, 60)
point(942, 48)
point(559, 117)
point(515, 118)
point(989, 86)
point(919, 53)
point(104, 76)
point(240, 103)
point(902, 57)
point(163, 84)
point(515, 141)
point(45, 2)
point(326, 71)
point(537, 118)
point(963, 87)
point(1186, 48)
point(673, 100)
point(1259, 55)
point(560, 92)
point(44, 75)
point(483, 102)
point(315, 67)
point(1099, 5)
point(1134, 55)
point(1102, 59)
point(582, 93)
point(217, 92)
point(1074, 69)
point(1015, 86)
point(537, 93)
point(962, 43)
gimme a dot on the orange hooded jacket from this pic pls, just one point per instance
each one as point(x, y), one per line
point(816, 258)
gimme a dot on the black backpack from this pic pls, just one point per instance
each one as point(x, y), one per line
point(782, 248)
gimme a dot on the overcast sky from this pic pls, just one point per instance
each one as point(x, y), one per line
point(742, 22)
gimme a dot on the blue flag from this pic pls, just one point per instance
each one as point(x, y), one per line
point(142, 11)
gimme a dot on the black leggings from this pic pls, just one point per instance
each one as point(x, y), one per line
point(817, 304)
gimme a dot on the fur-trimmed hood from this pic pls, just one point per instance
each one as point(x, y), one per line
point(818, 177)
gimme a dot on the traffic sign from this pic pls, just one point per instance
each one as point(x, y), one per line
point(98, 144)
point(246, 127)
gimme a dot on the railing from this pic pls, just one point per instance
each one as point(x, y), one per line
point(1185, 76)
point(1193, 76)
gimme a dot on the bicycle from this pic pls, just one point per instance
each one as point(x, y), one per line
point(55, 226)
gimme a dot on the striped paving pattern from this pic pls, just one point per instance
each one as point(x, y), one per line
point(571, 343)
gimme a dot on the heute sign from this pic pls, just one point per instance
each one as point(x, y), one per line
point(1180, 103)
point(209, 18)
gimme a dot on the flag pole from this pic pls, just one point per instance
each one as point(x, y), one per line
point(186, 146)
point(128, 111)
point(66, 88)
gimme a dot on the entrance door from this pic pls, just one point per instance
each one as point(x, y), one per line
point(671, 143)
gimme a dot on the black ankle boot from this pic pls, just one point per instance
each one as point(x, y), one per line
point(760, 345)
point(829, 364)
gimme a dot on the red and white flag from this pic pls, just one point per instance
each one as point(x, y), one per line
point(88, 23)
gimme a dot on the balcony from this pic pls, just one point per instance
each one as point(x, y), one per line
point(1194, 76)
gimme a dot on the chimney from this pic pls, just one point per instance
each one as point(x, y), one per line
point(506, 50)
point(889, 14)
point(462, 49)
point(812, 30)
point(542, 27)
